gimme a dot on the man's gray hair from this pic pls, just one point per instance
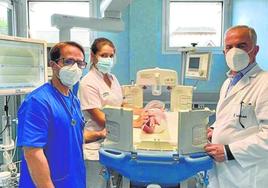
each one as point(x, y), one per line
point(252, 32)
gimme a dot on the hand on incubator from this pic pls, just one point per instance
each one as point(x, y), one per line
point(91, 136)
point(216, 151)
point(102, 133)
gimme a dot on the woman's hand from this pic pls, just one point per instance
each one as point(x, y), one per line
point(102, 133)
point(143, 118)
point(92, 136)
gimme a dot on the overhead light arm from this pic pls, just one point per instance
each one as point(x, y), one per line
point(111, 22)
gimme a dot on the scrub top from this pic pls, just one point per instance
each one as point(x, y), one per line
point(54, 122)
point(95, 93)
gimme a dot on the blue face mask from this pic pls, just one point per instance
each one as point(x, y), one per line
point(105, 65)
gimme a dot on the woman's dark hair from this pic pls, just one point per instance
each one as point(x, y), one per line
point(55, 52)
point(99, 43)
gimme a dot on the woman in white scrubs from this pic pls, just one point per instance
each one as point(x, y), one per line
point(97, 89)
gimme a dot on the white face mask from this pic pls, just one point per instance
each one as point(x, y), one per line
point(105, 65)
point(237, 59)
point(69, 75)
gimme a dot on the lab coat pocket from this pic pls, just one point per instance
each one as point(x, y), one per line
point(247, 117)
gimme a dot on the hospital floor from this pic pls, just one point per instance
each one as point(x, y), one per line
point(191, 184)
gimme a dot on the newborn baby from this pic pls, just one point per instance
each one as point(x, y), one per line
point(156, 113)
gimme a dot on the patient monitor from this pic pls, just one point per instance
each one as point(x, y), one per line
point(186, 128)
point(23, 65)
point(197, 65)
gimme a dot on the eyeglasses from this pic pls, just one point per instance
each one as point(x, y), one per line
point(240, 115)
point(69, 61)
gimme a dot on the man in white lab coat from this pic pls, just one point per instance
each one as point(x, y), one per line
point(239, 136)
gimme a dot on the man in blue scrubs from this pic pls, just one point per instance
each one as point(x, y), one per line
point(50, 129)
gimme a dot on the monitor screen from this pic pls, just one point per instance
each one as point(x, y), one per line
point(198, 65)
point(23, 65)
point(194, 63)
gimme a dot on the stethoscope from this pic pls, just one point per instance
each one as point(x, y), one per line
point(70, 111)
